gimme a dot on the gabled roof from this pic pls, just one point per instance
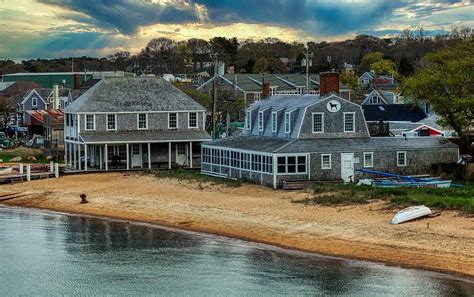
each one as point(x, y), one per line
point(393, 112)
point(133, 94)
point(4, 85)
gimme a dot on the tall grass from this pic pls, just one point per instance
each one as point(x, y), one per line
point(182, 174)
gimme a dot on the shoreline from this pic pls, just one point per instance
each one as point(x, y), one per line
point(273, 227)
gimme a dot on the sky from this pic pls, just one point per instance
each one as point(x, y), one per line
point(64, 28)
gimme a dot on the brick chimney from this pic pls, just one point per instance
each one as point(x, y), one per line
point(328, 83)
point(77, 82)
point(266, 89)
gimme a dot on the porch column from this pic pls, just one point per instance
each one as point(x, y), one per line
point(169, 155)
point(100, 157)
point(85, 157)
point(149, 155)
point(74, 148)
point(106, 157)
point(128, 156)
point(79, 156)
point(190, 154)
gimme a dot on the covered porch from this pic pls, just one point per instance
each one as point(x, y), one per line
point(129, 156)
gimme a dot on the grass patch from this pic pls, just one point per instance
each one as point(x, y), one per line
point(181, 174)
point(450, 198)
point(24, 153)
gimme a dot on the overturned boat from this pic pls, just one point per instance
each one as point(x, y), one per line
point(410, 213)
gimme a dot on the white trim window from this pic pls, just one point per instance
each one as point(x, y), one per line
point(349, 122)
point(326, 161)
point(260, 121)
point(192, 120)
point(34, 101)
point(142, 121)
point(318, 122)
point(274, 121)
point(291, 164)
point(172, 120)
point(401, 159)
point(369, 160)
point(89, 122)
point(374, 99)
point(111, 122)
point(248, 120)
point(287, 122)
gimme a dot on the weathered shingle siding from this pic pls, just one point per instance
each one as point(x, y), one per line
point(334, 121)
point(28, 105)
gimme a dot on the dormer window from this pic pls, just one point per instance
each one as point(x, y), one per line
point(172, 120)
point(248, 121)
point(34, 102)
point(260, 121)
point(287, 122)
point(274, 121)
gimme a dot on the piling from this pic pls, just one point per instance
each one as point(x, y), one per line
point(56, 170)
point(51, 166)
point(20, 168)
point(28, 172)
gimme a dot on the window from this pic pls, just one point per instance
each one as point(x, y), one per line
point(90, 122)
point(318, 122)
point(248, 120)
point(374, 99)
point(192, 120)
point(291, 164)
point(172, 120)
point(34, 101)
point(326, 161)
point(349, 122)
point(401, 159)
point(368, 160)
point(111, 122)
point(287, 122)
point(142, 119)
point(260, 121)
point(274, 121)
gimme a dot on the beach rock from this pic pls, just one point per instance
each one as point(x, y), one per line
point(16, 159)
point(31, 158)
point(49, 158)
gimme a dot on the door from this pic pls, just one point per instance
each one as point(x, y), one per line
point(347, 167)
point(181, 154)
point(137, 155)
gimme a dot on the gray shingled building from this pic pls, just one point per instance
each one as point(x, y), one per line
point(316, 138)
point(126, 123)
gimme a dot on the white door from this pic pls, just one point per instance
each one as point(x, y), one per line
point(347, 167)
point(137, 155)
point(181, 158)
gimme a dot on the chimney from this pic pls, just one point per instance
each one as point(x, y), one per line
point(77, 82)
point(266, 89)
point(55, 104)
point(328, 83)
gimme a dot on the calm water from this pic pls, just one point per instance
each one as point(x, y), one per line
point(54, 254)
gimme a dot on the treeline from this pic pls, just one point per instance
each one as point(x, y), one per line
point(270, 55)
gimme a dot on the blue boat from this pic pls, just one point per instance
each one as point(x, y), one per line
point(405, 180)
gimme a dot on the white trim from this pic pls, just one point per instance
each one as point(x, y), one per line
point(322, 122)
point(176, 120)
point(371, 154)
point(189, 120)
point(405, 159)
point(287, 113)
point(330, 162)
point(28, 96)
point(260, 121)
point(34, 101)
point(93, 122)
point(107, 122)
point(138, 121)
point(129, 112)
point(274, 121)
point(306, 155)
point(140, 141)
point(353, 122)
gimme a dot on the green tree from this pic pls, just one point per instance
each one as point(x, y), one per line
point(445, 80)
point(349, 80)
point(384, 66)
point(369, 59)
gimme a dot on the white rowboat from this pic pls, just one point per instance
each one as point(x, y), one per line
point(5, 170)
point(410, 213)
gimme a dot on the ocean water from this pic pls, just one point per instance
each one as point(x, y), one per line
point(51, 254)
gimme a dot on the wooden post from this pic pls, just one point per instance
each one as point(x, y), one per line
point(51, 166)
point(100, 157)
point(79, 156)
point(74, 148)
point(169, 155)
point(21, 168)
point(149, 155)
point(106, 157)
point(85, 157)
point(56, 170)
point(190, 154)
point(28, 172)
point(128, 156)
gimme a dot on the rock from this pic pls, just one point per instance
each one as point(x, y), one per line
point(31, 158)
point(1, 160)
point(49, 158)
point(16, 159)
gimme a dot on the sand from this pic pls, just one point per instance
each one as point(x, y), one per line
point(444, 243)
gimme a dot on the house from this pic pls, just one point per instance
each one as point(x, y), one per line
point(365, 79)
point(316, 137)
point(349, 68)
point(380, 96)
point(125, 123)
point(250, 86)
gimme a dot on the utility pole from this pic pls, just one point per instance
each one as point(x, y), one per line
point(307, 56)
point(72, 64)
point(215, 57)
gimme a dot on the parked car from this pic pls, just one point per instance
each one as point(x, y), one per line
point(12, 130)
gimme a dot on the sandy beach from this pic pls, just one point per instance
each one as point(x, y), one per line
point(444, 243)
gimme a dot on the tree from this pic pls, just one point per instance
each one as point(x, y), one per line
point(384, 66)
point(272, 65)
point(369, 59)
point(350, 80)
point(445, 80)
